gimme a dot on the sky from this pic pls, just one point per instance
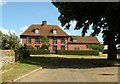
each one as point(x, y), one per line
point(18, 16)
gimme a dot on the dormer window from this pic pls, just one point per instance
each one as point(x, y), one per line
point(54, 31)
point(74, 40)
point(36, 31)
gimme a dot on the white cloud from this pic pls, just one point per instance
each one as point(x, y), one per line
point(3, 2)
point(28, 0)
point(22, 29)
point(6, 31)
point(73, 23)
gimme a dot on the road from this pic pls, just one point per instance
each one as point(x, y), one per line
point(103, 74)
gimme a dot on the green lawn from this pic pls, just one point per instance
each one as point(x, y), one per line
point(15, 70)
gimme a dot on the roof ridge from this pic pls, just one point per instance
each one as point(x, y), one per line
point(46, 25)
point(82, 36)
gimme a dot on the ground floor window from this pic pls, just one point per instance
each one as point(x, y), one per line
point(76, 48)
point(62, 47)
point(54, 48)
point(37, 40)
point(37, 47)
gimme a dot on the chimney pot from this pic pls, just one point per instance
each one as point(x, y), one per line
point(44, 23)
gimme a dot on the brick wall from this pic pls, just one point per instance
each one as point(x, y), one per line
point(50, 43)
point(80, 46)
point(67, 46)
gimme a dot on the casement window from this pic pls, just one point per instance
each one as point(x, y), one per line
point(62, 40)
point(62, 47)
point(37, 47)
point(74, 40)
point(54, 48)
point(37, 40)
point(28, 40)
point(54, 31)
point(76, 48)
point(54, 41)
point(36, 31)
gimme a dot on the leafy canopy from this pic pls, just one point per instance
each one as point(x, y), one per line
point(105, 17)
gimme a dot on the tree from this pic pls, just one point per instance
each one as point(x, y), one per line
point(10, 41)
point(1, 37)
point(105, 17)
point(44, 40)
point(99, 47)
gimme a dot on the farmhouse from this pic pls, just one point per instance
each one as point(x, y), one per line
point(57, 38)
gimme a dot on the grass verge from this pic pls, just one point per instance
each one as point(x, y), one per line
point(15, 70)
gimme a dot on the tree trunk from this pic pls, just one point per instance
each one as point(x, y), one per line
point(112, 51)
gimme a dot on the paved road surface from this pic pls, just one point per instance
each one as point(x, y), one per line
point(104, 74)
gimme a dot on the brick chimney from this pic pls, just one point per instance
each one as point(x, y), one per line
point(44, 23)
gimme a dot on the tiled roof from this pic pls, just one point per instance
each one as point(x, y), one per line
point(44, 30)
point(85, 39)
point(47, 30)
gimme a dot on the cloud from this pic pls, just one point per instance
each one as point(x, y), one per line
point(6, 31)
point(3, 2)
point(22, 29)
point(73, 23)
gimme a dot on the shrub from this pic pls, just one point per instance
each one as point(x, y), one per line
point(21, 54)
point(106, 51)
point(29, 47)
point(39, 52)
point(99, 47)
point(81, 52)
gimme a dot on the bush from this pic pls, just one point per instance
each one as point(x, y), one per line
point(21, 54)
point(81, 52)
point(39, 52)
point(106, 51)
point(29, 47)
point(99, 47)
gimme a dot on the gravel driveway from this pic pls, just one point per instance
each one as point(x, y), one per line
point(106, 74)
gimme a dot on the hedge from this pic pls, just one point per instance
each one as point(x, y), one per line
point(21, 54)
point(29, 47)
point(80, 52)
point(106, 51)
point(39, 52)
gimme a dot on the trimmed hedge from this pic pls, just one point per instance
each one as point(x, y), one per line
point(21, 54)
point(106, 51)
point(29, 47)
point(39, 52)
point(80, 52)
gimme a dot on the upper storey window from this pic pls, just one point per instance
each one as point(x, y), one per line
point(54, 31)
point(28, 40)
point(62, 40)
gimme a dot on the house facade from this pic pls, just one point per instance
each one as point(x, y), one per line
point(57, 38)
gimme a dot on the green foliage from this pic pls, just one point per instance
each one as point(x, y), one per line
point(10, 41)
point(44, 40)
point(81, 52)
point(21, 54)
point(99, 47)
point(39, 52)
point(29, 47)
point(1, 37)
point(105, 18)
point(44, 47)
